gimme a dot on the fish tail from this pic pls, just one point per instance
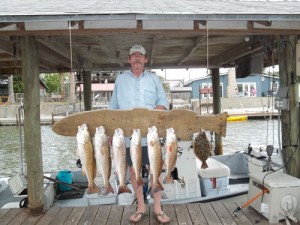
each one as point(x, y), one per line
point(140, 181)
point(124, 189)
point(158, 187)
point(109, 189)
point(168, 179)
point(204, 165)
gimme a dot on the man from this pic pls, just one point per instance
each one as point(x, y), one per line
point(138, 88)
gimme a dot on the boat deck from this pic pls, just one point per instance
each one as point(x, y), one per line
point(214, 213)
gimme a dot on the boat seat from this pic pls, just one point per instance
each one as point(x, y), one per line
point(215, 169)
point(18, 185)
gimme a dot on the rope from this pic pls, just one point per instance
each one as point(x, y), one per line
point(71, 51)
point(207, 66)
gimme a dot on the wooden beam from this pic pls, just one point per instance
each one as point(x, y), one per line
point(6, 46)
point(290, 117)
point(153, 49)
point(87, 90)
point(217, 107)
point(112, 50)
point(3, 25)
point(232, 54)
point(32, 127)
point(59, 49)
point(264, 23)
point(52, 56)
point(84, 32)
point(197, 44)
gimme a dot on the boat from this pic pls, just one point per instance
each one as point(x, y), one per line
point(237, 118)
point(226, 177)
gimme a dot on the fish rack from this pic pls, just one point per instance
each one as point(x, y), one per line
point(185, 122)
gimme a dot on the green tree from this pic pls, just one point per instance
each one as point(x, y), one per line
point(18, 84)
point(52, 81)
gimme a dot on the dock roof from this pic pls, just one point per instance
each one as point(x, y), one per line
point(96, 35)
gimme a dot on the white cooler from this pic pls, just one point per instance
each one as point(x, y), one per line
point(214, 180)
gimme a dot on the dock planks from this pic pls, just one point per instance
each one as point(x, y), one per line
point(212, 213)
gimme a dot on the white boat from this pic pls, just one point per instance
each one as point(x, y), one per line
point(227, 176)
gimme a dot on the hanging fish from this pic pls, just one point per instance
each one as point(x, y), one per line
point(119, 151)
point(102, 155)
point(136, 155)
point(171, 154)
point(85, 152)
point(202, 148)
point(155, 157)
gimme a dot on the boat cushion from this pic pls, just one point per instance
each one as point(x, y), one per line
point(215, 169)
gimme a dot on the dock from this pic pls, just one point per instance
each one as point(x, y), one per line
point(210, 213)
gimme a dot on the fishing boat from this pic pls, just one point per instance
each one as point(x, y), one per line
point(225, 177)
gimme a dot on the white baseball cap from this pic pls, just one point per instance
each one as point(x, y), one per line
point(137, 48)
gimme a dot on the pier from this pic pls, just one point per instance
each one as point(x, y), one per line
point(213, 213)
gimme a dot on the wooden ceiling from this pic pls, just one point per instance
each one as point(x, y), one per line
point(169, 44)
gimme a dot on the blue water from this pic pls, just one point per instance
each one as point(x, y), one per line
point(59, 152)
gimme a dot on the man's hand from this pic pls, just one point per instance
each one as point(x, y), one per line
point(160, 107)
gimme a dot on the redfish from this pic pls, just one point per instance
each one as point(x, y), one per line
point(136, 155)
point(155, 157)
point(85, 152)
point(102, 155)
point(171, 154)
point(119, 151)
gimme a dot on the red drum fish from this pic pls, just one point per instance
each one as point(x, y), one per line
point(202, 148)
point(136, 155)
point(102, 155)
point(171, 154)
point(119, 151)
point(85, 152)
point(155, 157)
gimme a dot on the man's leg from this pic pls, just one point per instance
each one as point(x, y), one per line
point(139, 196)
point(159, 214)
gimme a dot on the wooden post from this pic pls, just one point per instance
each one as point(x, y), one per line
point(87, 90)
point(32, 127)
point(217, 107)
point(290, 118)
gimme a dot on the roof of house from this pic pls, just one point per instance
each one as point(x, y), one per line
point(101, 87)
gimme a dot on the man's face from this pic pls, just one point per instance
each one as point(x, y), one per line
point(137, 60)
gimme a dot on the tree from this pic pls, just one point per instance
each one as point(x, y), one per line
point(52, 81)
point(18, 84)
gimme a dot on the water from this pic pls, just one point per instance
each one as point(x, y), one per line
point(59, 152)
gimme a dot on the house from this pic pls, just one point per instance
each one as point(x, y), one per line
point(255, 85)
point(101, 94)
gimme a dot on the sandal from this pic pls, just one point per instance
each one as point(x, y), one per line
point(136, 214)
point(162, 215)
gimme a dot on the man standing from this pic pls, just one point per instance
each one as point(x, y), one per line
point(138, 88)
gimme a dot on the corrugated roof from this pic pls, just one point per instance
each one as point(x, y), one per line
point(154, 7)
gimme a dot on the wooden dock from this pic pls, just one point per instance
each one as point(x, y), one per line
point(212, 213)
